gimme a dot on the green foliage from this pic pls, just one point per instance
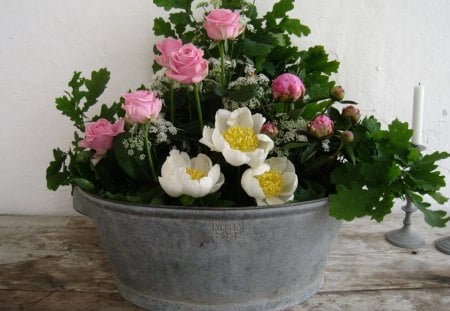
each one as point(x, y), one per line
point(85, 93)
point(387, 167)
point(362, 176)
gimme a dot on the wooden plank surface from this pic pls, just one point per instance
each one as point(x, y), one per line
point(49, 261)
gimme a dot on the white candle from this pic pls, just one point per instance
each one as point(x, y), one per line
point(417, 114)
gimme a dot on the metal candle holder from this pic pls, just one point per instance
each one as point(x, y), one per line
point(406, 237)
point(443, 244)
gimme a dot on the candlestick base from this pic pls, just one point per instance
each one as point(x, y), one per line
point(406, 237)
point(443, 244)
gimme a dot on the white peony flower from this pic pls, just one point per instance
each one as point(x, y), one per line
point(272, 182)
point(194, 177)
point(237, 136)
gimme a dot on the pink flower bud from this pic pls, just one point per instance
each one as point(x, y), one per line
point(347, 137)
point(321, 127)
point(270, 129)
point(352, 113)
point(337, 93)
point(287, 87)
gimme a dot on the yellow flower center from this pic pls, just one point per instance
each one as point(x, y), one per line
point(194, 173)
point(270, 183)
point(241, 138)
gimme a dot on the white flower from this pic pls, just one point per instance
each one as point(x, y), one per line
point(273, 182)
point(237, 136)
point(194, 177)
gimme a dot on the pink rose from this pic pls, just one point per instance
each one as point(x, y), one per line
point(141, 106)
point(166, 47)
point(223, 24)
point(321, 127)
point(99, 136)
point(187, 65)
point(287, 87)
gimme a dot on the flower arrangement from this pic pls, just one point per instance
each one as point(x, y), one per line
point(239, 116)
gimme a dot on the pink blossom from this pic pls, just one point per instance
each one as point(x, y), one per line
point(166, 47)
point(99, 136)
point(270, 129)
point(321, 127)
point(187, 65)
point(223, 24)
point(287, 87)
point(141, 106)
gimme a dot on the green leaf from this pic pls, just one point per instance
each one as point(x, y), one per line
point(316, 59)
point(252, 48)
point(95, 87)
point(173, 4)
point(131, 164)
point(438, 197)
point(433, 218)
point(280, 8)
point(163, 28)
point(243, 93)
point(56, 178)
point(68, 105)
point(313, 109)
point(83, 184)
point(112, 112)
point(180, 20)
point(371, 124)
point(349, 203)
point(294, 26)
point(186, 200)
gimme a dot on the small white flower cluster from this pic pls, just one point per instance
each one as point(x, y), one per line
point(255, 102)
point(290, 131)
point(326, 145)
point(162, 129)
point(161, 84)
point(244, 20)
point(135, 144)
point(215, 67)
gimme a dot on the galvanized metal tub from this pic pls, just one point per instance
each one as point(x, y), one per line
point(174, 258)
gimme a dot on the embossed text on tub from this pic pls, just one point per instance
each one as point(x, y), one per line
point(227, 230)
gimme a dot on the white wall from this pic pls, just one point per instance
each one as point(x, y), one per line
point(385, 48)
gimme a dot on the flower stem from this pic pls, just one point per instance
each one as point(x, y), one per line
point(149, 152)
point(222, 64)
point(172, 103)
point(199, 107)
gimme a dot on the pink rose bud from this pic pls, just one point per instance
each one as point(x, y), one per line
point(223, 24)
point(352, 113)
point(347, 137)
point(321, 127)
point(187, 65)
point(337, 93)
point(141, 106)
point(99, 135)
point(270, 129)
point(166, 47)
point(287, 87)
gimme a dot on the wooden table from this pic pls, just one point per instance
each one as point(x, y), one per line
point(56, 263)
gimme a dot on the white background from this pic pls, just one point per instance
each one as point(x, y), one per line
point(385, 48)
